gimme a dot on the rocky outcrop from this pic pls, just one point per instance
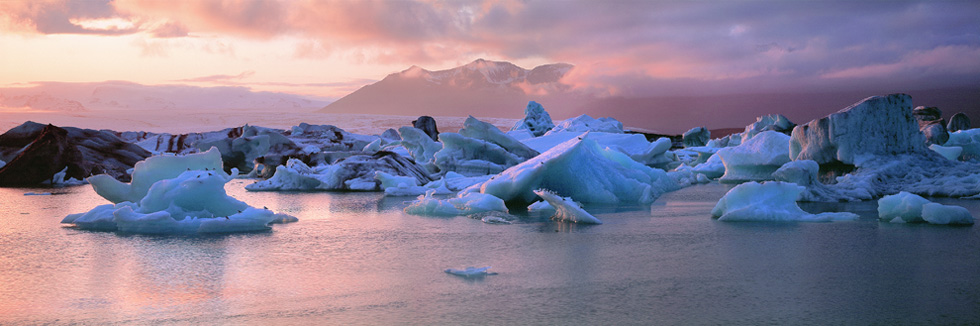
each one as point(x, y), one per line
point(35, 152)
point(428, 125)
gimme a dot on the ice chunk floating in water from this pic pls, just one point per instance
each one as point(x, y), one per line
point(769, 201)
point(905, 207)
point(194, 201)
point(471, 272)
point(566, 209)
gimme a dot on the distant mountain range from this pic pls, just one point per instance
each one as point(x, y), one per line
point(121, 95)
point(479, 88)
point(485, 88)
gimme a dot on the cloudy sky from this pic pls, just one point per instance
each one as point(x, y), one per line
point(327, 49)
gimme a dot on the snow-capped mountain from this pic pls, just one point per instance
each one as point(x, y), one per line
point(473, 88)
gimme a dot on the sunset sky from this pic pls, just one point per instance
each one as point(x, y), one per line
point(326, 49)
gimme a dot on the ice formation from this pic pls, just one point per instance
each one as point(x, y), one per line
point(356, 172)
point(756, 159)
point(150, 171)
point(878, 125)
point(585, 123)
point(463, 204)
point(957, 122)
point(421, 147)
point(566, 209)
point(580, 169)
point(774, 122)
point(951, 153)
point(192, 201)
point(536, 120)
point(905, 207)
point(696, 137)
point(480, 149)
point(635, 146)
point(969, 141)
point(768, 201)
point(470, 272)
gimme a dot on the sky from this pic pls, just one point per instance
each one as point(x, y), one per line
point(327, 49)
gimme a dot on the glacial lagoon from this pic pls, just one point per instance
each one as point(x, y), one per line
point(356, 258)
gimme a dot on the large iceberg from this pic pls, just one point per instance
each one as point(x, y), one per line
point(581, 169)
point(536, 120)
point(878, 125)
point(192, 201)
point(480, 149)
point(768, 201)
point(755, 159)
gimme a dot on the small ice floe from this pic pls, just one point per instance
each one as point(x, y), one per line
point(493, 217)
point(38, 194)
point(471, 272)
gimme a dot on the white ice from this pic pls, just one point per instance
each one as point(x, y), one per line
point(579, 168)
point(194, 201)
point(905, 207)
point(152, 170)
point(567, 209)
point(878, 125)
point(463, 204)
point(470, 272)
point(585, 123)
point(536, 120)
point(768, 201)
point(755, 159)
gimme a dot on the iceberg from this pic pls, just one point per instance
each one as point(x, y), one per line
point(696, 137)
point(480, 149)
point(463, 204)
point(636, 146)
point(421, 147)
point(755, 159)
point(152, 170)
point(878, 125)
point(470, 272)
point(357, 172)
point(536, 120)
point(580, 169)
point(957, 122)
point(774, 122)
point(769, 201)
point(585, 123)
point(905, 207)
point(566, 209)
point(193, 201)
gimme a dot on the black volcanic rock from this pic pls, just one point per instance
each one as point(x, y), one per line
point(35, 152)
point(428, 125)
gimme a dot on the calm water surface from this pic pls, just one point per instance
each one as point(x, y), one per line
point(357, 259)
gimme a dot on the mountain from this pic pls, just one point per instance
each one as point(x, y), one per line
point(121, 95)
point(479, 88)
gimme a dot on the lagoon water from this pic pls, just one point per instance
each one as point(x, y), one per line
point(355, 258)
